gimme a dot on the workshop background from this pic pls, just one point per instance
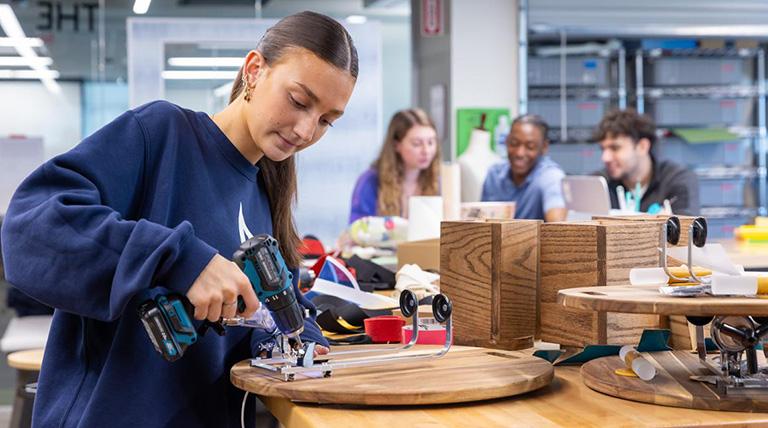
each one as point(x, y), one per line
point(697, 67)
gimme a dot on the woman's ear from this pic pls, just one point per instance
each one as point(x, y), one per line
point(254, 65)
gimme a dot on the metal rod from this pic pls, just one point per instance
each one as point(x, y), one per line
point(663, 256)
point(409, 345)
point(329, 366)
point(563, 89)
point(622, 78)
point(640, 90)
point(762, 173)
point(690, 259)
point(522, 57)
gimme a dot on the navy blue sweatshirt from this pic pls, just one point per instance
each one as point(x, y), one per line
point(144, 203)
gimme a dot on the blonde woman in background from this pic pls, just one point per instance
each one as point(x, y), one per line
point(408, 165)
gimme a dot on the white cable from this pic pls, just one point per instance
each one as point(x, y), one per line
point(242, 410)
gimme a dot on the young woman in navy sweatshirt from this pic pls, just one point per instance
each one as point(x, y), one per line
point(159, 200)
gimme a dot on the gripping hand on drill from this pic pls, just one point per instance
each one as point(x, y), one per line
point(214, 292)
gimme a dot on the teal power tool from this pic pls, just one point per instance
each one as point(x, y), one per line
point(167, 317)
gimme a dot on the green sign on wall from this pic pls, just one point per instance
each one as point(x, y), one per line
point(469, 118)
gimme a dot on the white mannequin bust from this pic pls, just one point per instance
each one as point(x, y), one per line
point(474, 164)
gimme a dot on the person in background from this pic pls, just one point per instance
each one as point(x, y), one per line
point(530, 179)
point(627, 140)
point(156, 202)
point(408, 165)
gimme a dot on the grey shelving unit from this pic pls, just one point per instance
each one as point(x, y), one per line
point(682, 88)
point(700, 88)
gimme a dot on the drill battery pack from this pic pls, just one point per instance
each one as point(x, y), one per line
point(167, 322)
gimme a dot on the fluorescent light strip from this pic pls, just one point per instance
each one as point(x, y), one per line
point(356, 19)
point(236, 62)
point(18, 61)
point(12, 42)
point(13, 29)
point(199, 75)
point(140, 7)
point(28, 74)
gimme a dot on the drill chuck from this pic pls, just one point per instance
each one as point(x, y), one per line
point(286, 312)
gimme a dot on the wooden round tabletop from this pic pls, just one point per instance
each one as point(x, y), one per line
point(26, 360)
point(648, 300)
point(464, 374)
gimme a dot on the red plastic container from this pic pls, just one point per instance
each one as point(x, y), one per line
point(384, 328)
point(431, 336)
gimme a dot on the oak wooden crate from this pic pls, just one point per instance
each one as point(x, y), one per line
point(682, 332)
point(489, 269)
point(589, 254)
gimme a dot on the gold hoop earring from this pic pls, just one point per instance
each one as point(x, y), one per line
point(247, 90)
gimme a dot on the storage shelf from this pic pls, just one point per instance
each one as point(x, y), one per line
point(702, 92)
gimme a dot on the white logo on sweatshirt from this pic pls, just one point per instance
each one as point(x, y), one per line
point(245, 234)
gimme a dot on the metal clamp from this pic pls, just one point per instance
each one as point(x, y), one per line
point(289, 365)
point(670, 235)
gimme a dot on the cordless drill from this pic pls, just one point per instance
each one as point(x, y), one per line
point(167, 317)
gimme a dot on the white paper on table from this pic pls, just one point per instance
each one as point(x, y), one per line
point(738, 285)
point(362, 299)
point(648, 276)
point(424, 216)
point(712, 256)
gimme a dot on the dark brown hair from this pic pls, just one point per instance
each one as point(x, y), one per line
point(390, 168)
point(327, 39)
point(626, 123)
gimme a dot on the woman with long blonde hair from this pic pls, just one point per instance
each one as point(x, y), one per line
point(408, 165)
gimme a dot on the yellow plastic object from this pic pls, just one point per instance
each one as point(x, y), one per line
point(762, 285)
point(625, 372)
point(750, 232)
point(682, 272)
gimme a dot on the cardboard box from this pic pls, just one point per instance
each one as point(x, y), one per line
point(424, 253)
point(489, 269)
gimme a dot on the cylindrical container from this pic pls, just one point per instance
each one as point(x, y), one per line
point(635, 361)
point(384, 328)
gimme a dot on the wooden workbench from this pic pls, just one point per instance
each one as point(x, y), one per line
point(565, 402)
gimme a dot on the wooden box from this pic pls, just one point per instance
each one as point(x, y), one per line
point(589, 254)
point(490, 271)
point(682, 332)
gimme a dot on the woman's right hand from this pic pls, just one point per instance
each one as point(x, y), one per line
point(214, 292)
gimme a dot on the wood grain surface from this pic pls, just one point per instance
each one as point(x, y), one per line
point(464, 374)
point(586, 254)
point(671, 386)
point(648, 300)
point(31, 359)
point(489, 271)
point(566, 402)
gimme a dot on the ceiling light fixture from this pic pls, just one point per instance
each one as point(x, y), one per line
point(140, 7)
point(28, 74)
point(356, 19)
point(18, 61)
point(236, 62)
point(199, 74)
point(12, 42)
point(12, 28)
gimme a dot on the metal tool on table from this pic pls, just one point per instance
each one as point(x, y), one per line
point(670, 235)
point(169, 324)
point(292, 363)
point(736, 337)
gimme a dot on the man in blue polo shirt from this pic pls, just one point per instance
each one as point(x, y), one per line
point(530, 178)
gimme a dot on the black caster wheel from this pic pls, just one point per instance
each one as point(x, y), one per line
point(699, 321)
point(673, 230)
point(699, 231)
point(441, 308)
point(408, 303)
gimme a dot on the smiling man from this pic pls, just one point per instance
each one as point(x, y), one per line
point(530, 178)
point(627, 139)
